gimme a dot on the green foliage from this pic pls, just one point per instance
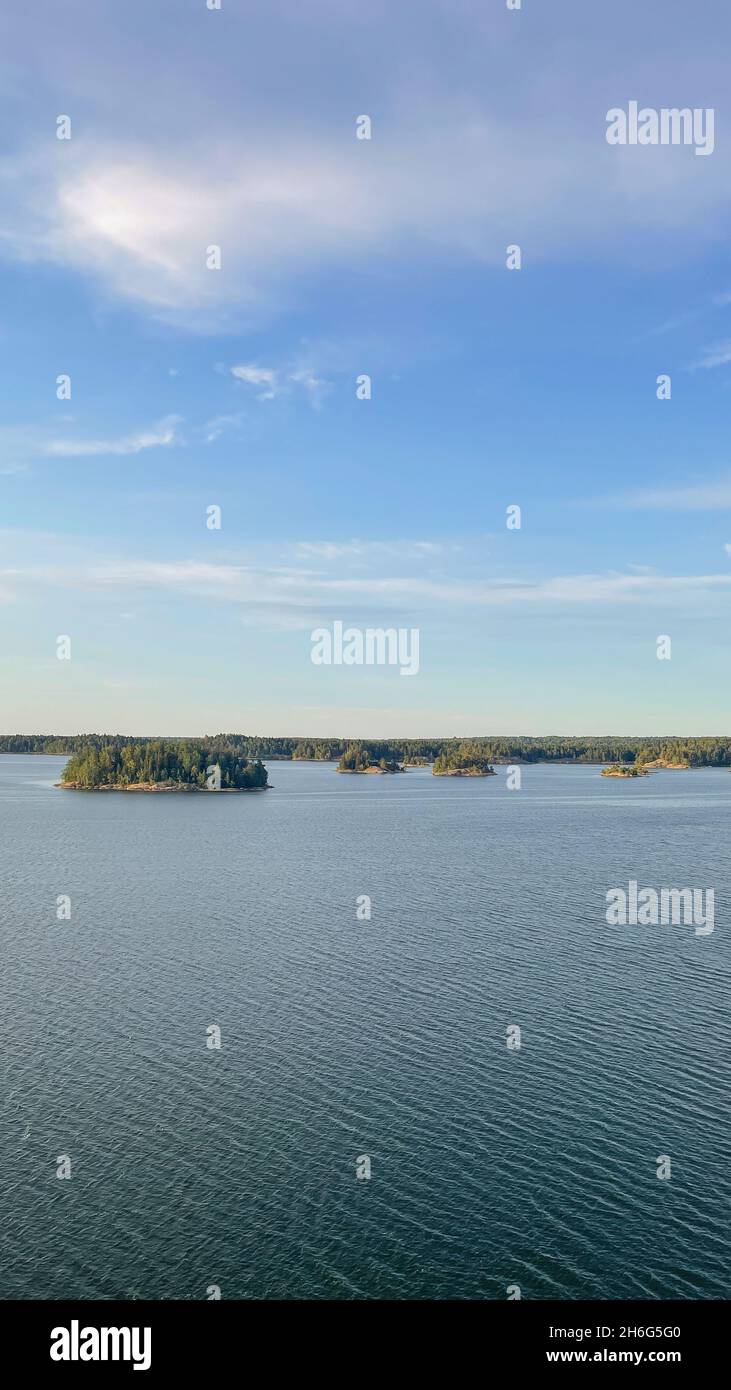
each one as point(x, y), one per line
point(354, 759)
point(625, 770)
point(357, 758)
point(463, 757)
point(697, 752)
point(317, 750)
point(121, 764)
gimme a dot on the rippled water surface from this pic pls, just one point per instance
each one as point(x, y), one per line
point(490, 1167)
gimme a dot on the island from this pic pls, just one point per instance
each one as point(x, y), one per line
point(464, 760)
point(357, 759)
point(626, 770)
point(666, 766)
point(161, 765)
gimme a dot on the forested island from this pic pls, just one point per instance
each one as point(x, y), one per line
point(662, 751)
point(466, 760)
point(356, 758)
point(162, 765)
point(633, 770)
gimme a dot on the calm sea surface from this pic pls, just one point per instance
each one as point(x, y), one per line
point(341, 1038)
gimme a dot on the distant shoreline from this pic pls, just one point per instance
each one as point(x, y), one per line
point(118, 758)
point(327, 762)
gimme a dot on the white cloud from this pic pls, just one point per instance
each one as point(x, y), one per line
point(140, 219)
point(258, 376)
point(189, 576)
point(701, 496)
point(262, 587)
point(280, 381)
point(162, 434)
point(355, 549)
point(220, 425)
point(717, 355)
point(315, 386)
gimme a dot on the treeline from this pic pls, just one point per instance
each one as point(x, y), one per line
point(60, 743)
point(332, 749)
point(697, 752)
point(117, 764)
point(320, 752)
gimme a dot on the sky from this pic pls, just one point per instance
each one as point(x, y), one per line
point(194, 387)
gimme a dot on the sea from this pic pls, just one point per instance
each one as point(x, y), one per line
point(363, 1038)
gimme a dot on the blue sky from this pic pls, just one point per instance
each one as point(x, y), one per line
point(192, 387)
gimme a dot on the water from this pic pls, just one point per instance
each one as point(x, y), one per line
point(192, 1167)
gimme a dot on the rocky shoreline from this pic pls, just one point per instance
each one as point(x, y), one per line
point(466, 772)
point(152, 787)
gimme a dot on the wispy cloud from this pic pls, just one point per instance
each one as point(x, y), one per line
point(355, 549)
point(20, 445)
point(693, 497)
point(140, 220)
point(473, 143)
point(263, 378)
point(315, 386)
point(221, 424)
point(717, 355)
point(160, 435)
point(269, 382)
point(265, 587)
